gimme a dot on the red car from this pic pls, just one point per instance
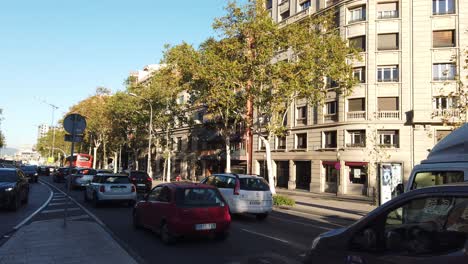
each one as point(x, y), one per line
point(183, 209)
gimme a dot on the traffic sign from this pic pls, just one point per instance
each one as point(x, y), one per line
point(69, 138)
point(74, 124)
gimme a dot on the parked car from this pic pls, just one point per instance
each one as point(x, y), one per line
point(428, 225)
point(142, 180)
point(45, 170)
point(244, 193)
point(110, 187)
point(60, 174)
point(30, 171)
point(101, 171)
point(175, 210)
point(79, 177)
point(14, 188)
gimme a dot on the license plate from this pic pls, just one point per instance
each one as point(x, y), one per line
point(255, 202)
point(205, 226)
point(118, 189)
point(141, 185)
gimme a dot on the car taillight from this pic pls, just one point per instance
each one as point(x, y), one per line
point(237, 187)
point(133, 188)
point(149, 179)
point(102, 189)
point(133, 179)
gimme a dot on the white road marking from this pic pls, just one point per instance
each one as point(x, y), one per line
point(267, 236)
point(59, 210)
point(38, 209)
point(78, 217)
point(300, 223)
point(310, 216)
point(55, 204)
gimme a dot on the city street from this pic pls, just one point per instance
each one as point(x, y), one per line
point(282, 238)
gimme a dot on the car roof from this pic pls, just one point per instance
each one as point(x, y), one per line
point(181, 185)
point(242, 176)
point(111, 175)
point(8, 169)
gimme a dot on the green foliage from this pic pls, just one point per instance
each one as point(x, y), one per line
point(44, 144)
point(2, 138)
point(280, 200)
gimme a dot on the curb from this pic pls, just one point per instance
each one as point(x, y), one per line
point(314, 213)
point(325, 197)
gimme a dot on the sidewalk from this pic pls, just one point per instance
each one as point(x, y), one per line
point(49, 242)
point(349, 208)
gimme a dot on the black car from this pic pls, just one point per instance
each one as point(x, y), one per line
point(45, 170)
point(141, 180)
point(60, 174)
point(14, 188)
point(428, 225)
point(30, 171)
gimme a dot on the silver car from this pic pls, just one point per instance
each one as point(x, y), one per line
point(110, 187)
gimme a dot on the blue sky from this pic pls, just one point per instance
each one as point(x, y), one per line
point(59, 51)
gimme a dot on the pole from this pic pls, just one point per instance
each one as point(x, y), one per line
point(53, 129)
point(149, 168)
point(70, 169)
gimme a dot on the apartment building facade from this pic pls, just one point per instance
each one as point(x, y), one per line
point(412, 53)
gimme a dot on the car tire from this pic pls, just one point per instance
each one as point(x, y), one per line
point(261, 217)
point(26, 198)
point(16, 203)
point(136, 220)
point(166, 237)
point(95, 201)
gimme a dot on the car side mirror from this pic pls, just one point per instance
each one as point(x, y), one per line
point(400, 189)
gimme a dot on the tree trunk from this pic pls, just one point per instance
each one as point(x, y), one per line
point(169, 167)
point(164, 170)
point(116, 161)
point(271, 179)
point(228, 155)
point(135, 160)
point(95, 156)
point(106, 165)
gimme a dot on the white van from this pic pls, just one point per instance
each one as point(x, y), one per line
point(446, 163)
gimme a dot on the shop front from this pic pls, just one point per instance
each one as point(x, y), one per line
point(331, 172)
point(356, 178)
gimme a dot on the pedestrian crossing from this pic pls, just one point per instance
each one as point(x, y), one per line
point(61, 206)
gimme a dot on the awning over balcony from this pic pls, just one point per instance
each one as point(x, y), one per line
point(326, 162)
point(355, 163)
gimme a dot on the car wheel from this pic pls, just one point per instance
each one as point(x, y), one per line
point(95, 201)
point(166, 237)
point(16, 203)
point(261, 217)
point(222, 235)
point(26, 198)
point(136, 220)
point(85, 196)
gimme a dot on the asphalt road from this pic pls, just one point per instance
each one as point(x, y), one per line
point(281, 238)
point(38, 195)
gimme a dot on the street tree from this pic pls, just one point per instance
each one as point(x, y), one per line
point(315, 54)
point(2, 137)
point(61, 147)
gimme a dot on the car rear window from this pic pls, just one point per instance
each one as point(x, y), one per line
point(87, 172)
point(198, 197)
point(28, 168)
point(139, 174)
point(8, 176)
point(114, 179)
point(254, 184)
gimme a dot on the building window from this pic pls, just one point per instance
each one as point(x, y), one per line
point(359, 74)
point(442, 7)
point(357, 105)
point(387, 10)
point(269, 4)
point(358, 43)
point(388, 104)
point(301, 141)
point(357, 14)
point(444, 103)
point(388, 138)
point(261, 145)
point(356, 139)
point(189, 143)
point(281, 142)
point(331, 173)
point(388, 41)
point(330, 108)
point(284, 15)
point(387, 73)
point(443, 71)
point(179, 144)
point(329, 139)
point(305, 5)
point(443, 38)
point(301, 115)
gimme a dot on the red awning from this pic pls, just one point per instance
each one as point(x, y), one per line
point(329, 162)
point(355, 163)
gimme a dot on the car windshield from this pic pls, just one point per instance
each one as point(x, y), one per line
point(253, 184)
point(194, 197)
point(28, 168)
point(8, 176)
point(139, 174)
point(114, 179)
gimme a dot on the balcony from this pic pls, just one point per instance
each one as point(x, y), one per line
point(387, 14)
point(388, 115)
point(356, 145)
point(356, 20)
point(330, 117)
point(356, 115)
point(301, 121)
point(446, 113)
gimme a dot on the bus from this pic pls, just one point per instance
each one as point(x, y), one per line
point(80, 160)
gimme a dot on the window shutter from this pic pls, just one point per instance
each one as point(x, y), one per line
point(388, 103)
point(443, 38)
point(356, 105)
point(386, 7)
point(388, 41)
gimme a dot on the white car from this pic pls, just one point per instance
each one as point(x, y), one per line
point(244, 193)
point(110, 187)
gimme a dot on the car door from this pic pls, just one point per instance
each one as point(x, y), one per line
point(426, 230)
point(23, 185)
point(149, 209)
point(161, 208)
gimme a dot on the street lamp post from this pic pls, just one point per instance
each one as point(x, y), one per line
point(150, 131)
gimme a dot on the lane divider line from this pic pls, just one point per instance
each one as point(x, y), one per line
point(267, 236)
point(18, 226)
point(59, 210)
point(300, 223)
